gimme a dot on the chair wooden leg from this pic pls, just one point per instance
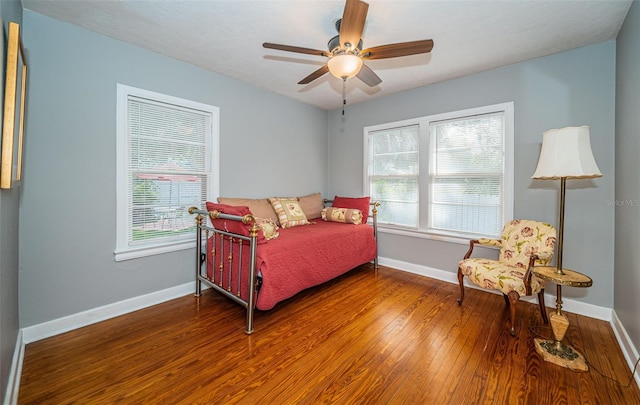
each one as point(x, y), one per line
point(506, 299)
point(543, 307)
point(460, 281)
point(513, 300)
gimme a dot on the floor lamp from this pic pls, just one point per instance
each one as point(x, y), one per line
point(565, 154)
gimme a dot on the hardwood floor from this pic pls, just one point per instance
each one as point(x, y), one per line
point(367, 338)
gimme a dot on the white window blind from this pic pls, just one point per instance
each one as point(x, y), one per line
point(467, 166)
point(394, 174)
point(166, 159)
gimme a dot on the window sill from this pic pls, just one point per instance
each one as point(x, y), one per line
point(144, 251)
point(461, 239)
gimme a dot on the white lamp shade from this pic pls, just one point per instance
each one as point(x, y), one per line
point(566, 153)
point(344, 66)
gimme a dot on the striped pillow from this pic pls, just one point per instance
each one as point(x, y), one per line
point(346, 215)
point(289, 212)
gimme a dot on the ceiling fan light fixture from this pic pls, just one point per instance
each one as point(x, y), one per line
point(344, 66)
point(346, 52)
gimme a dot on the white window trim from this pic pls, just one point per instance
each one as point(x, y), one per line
point(123, 251)
point(509, 178)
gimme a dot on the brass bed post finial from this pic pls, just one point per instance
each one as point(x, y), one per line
point(199, 217)
point(248, 219)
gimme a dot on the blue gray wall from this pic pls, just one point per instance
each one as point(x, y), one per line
point(9, 218)
point(270, 145)
point(567, 89)
point(627, 254)
point(67, 220)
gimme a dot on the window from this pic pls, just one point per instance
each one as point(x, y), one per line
point(394, 173)
point(167, 162)
point(448, 175)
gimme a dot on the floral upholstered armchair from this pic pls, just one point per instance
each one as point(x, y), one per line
point(524, 244)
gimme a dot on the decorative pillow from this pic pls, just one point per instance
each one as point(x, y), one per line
point(289, 212)
point(260, 207)
point(230, 225)
point(269, 228)
point(311, 205)
point(346, 215)
point(360, 203)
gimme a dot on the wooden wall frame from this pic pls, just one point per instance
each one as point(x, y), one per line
point(14, 105)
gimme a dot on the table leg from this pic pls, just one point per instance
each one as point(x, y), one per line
point(554, 351)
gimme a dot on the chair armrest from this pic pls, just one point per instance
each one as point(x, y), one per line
point(545, 256)
point(490, 242)
point(482, 241)
point(471, 243)
point(529, 274)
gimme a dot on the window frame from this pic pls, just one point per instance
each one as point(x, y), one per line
point(422, 230)
point(124, 250)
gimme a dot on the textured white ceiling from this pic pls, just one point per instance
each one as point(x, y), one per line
point(227, 36)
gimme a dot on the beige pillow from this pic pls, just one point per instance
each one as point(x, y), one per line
point(289, 212)
point(259, 207)
point(346, 215)
point(311, 205)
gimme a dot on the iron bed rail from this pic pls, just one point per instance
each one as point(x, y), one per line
point(253, 280)
point(201, 259)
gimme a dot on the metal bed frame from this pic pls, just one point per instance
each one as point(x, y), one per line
point(226, 241)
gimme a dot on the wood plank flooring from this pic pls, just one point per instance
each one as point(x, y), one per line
point(385, 337)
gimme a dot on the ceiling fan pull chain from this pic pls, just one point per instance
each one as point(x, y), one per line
point(344, 93)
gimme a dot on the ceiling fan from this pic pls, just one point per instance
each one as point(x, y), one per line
point(346, 56)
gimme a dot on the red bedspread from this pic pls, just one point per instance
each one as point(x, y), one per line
point(303, 257)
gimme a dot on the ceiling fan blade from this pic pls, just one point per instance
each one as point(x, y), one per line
point(295, 49)
point(313, 76)
point(353, 18)
point(399, 49)
point(368, 76)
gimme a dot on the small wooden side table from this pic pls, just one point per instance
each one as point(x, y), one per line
point(555, 351)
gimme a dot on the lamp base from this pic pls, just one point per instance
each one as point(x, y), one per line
point(560, 354)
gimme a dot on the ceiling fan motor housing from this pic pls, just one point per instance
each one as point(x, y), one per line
point(334, 44)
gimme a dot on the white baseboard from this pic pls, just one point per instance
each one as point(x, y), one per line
point(577, 307)
point(67, 323)
point(629, 351)
point(13, 383)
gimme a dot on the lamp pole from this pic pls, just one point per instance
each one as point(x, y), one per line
point(563, 188)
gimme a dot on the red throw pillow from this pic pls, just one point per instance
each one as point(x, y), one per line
point(359, 203)
point(230, 225)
